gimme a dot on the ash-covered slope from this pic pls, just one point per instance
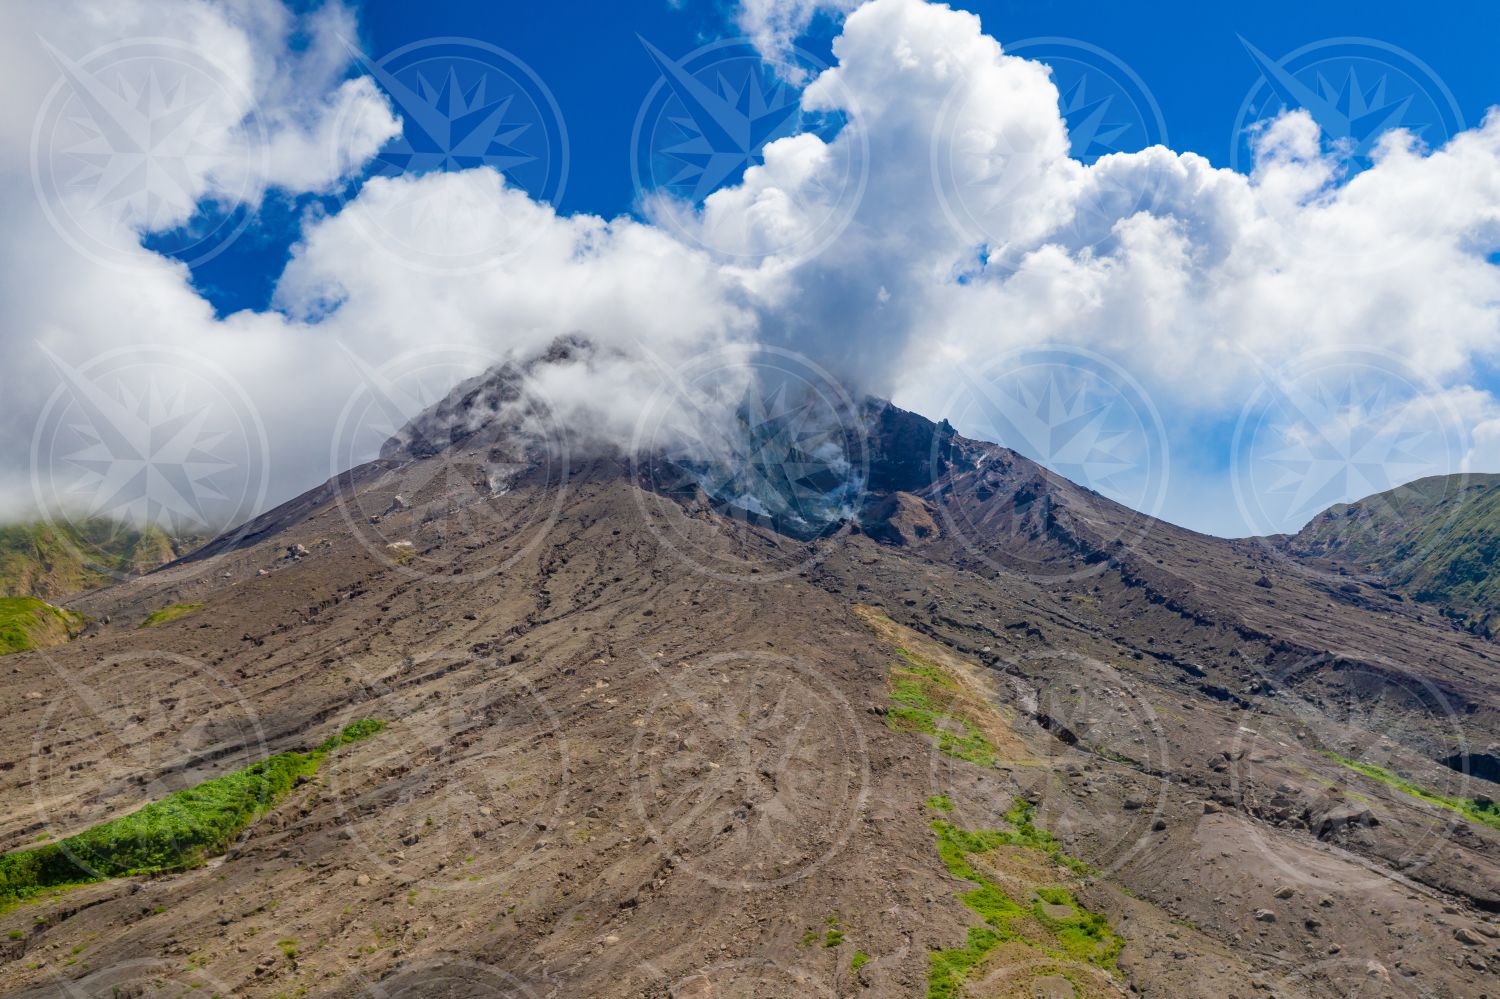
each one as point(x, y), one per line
point(642, 743)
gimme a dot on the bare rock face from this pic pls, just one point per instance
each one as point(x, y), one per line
point(497, 404)
point(901, 519)
point(1328, 816)
point(612, 771)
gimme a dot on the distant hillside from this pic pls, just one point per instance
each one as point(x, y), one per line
point(52, 560)
point(28, 623)
point(1436, 539)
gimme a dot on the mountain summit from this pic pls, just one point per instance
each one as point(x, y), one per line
point(890, 712)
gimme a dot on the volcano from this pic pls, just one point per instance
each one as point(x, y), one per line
point(871, 709)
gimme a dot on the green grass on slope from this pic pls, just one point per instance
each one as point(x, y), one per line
point(54, 559)
point(926, 699)
point(27, 623)
point(171, 613)
point(1438, 539)
point(177, 832)
point(1484, 812)
point(1080, 935)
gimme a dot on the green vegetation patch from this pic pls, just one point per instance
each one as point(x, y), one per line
point(1485, 812)
point(27, 623)
point(177, 832)
point(1073, 934)
point(928, 700)
point(52, 560)
point(171, 613)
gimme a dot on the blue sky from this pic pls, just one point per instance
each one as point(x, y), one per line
point(1188, 55)
point(347, 186)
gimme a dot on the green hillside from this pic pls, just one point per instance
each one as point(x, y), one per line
point(1436, 539)
point(51, 560)
point(28, 623)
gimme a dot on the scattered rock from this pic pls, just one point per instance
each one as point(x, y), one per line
point(1468, 937)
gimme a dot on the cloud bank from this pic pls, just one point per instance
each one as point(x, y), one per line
point(1292, 315)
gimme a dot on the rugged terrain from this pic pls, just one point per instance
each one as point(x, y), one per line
point(1436, 540)
point(993, 736)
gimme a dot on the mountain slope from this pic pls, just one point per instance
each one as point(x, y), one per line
point(998, 736)
point(1436, 539)
point(54, 559)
